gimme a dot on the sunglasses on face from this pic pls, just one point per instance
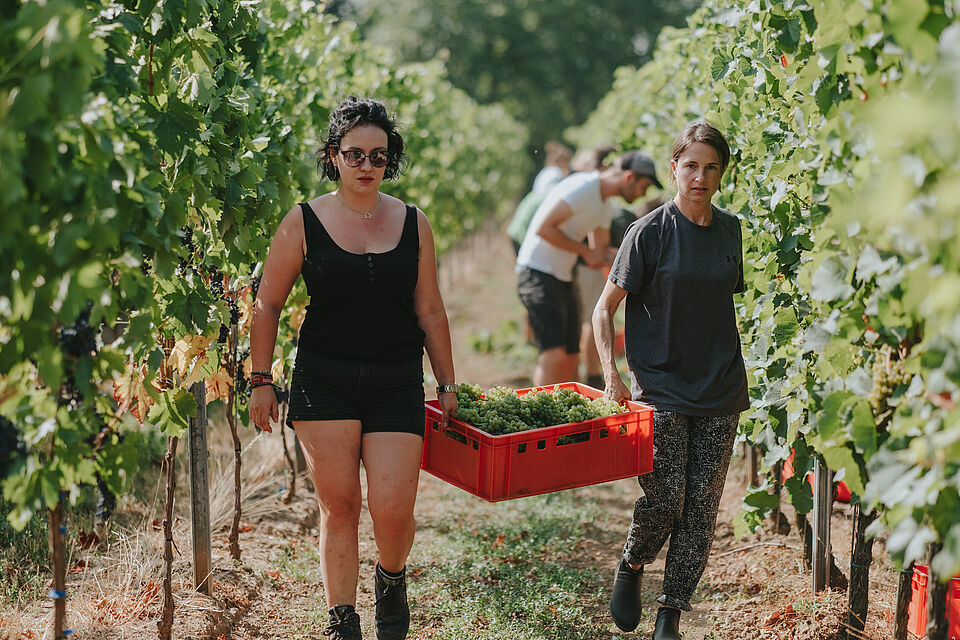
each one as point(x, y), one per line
point(354, 158)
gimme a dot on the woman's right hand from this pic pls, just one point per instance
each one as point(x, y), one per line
point(263, 407)
point(615, 390)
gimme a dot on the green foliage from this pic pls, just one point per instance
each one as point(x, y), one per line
point(501, 410)
point(842, 119)
point(147, 153)
point(547, 62)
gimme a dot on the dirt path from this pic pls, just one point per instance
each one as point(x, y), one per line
point(753, 588)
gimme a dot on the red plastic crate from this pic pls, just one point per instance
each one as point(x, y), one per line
point(531, 462)
point(843, 491)
point(917, 611)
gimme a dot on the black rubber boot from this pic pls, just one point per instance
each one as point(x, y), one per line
point(625, 599)
point(668, 624)
point(344, 623)
point(392, 619)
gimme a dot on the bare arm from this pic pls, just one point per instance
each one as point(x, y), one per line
point(607, 305)
point(280, 271)
point(599, 237)
point(549, 230)
point(432, 317)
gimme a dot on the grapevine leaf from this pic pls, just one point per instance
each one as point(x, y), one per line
point(829, 281)
point(173, 411)
point(842, 458)
point(863, 427)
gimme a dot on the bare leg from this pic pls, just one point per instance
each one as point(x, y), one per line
point(392, 465)
point(555, 365)
point(332, 451)
point(588, 353)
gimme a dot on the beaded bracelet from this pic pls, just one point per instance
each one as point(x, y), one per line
point(264, 374)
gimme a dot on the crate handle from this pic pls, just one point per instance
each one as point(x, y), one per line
point(573, 438)
point(453, 434)
point(522, 447)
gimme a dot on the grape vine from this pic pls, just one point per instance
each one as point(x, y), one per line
point(147, 153)
point(842, 122)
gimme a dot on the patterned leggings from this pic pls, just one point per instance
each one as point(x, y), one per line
point(680, 499)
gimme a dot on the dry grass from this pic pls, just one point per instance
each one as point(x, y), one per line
point(115, 591)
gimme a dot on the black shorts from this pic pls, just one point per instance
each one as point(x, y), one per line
point(383, 396)
point(552, 307)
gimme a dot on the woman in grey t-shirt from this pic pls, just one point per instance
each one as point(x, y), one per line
point(678, 269)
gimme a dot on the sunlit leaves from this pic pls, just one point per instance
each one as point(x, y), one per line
point(842, 122)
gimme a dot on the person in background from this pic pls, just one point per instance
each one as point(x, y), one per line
point(556, 168)
point(623, 220)
point(678, 268)
point(579, 204)
point(589, 280)
point(356, 396)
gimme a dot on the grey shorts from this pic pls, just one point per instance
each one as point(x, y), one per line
point(552, 308)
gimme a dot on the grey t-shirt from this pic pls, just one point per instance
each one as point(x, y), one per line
point(682, 344)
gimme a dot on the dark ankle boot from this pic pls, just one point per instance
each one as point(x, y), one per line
point(344, 623)
point(393, 615)
point(668, 624)
point(625, 599)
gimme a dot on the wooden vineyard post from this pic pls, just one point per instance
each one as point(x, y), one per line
point(59, 590)
point(822, 506)
point(199, 492)
point(904, 595)
point(753, 462)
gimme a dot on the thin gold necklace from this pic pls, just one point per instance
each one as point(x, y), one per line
point(366, 214)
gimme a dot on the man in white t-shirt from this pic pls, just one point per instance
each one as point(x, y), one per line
point(577, 207)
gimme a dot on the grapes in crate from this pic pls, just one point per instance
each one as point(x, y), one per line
point(500, 410)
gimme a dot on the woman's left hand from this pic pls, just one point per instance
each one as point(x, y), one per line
point(448, 404)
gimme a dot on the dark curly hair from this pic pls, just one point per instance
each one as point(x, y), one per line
point(354, 112)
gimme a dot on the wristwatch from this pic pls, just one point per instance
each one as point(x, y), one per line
point(446, 388)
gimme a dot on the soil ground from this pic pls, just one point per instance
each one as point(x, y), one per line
point(755, 587)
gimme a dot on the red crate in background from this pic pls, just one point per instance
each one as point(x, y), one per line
point(531, 462)
point(917, 611)
point(843, 491)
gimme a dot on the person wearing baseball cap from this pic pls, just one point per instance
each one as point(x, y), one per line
point(640, 164)
point(579, 207)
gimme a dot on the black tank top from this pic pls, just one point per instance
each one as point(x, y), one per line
point(361, 304)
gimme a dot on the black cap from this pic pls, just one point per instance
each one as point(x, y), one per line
point(641, 164)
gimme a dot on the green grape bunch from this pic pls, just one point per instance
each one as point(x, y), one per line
point(888, 375)
point(500, 410)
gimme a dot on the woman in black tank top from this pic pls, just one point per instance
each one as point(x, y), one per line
point(369, 266)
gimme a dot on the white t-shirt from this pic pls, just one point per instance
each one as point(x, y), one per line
point(581, 191)
point(547, 177)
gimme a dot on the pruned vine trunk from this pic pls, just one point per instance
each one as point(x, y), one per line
point(936, 599)
point(904, 595)
point(292, 493)
point(861, 556)
point(806, 536)
point(234, 538)
point(165, 624)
